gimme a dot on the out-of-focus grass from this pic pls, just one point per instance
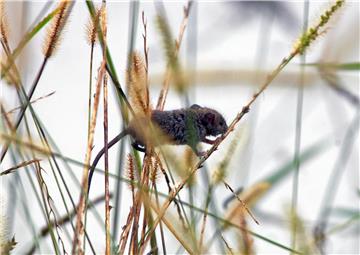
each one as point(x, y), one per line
point(150, 218)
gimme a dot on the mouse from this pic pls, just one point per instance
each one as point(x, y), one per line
point(185, 126)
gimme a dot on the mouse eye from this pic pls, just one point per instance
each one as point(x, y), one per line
point(221, 123)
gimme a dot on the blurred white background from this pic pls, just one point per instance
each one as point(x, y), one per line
point(245, 40)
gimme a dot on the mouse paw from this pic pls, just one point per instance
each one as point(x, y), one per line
point(200, 153)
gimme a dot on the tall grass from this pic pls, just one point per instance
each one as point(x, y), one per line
point(150, 214)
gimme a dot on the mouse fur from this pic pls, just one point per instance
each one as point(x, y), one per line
point(186, 126)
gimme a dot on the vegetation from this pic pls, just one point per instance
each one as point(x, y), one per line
point(157, 215)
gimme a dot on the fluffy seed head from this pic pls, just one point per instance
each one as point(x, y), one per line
point(91, 28)
point(4, 25)
point(138, 86)
point(54, 31)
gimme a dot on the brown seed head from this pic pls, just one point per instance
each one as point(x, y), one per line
point(53, 32)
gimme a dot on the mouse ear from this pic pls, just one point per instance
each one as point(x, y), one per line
point(195, 106)
point(210, 117)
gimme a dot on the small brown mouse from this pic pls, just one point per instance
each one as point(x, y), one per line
point(187, 126)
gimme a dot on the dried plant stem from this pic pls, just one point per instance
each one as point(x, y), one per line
point(247, 240)
point(138, 202)
point(90, 86)
point(144, 224)
point(226, 244)
point(126, 230)
point(202, 231)
point(146, 56)
point(161, 225)
point(165, 89)
point(14, 168)
point(49, 209)
point(241, 202)
point(105, 88)
point(107, 189)
point(77, 245)
point(31, 102)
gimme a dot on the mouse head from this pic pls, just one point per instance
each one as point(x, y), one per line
point(212, 120)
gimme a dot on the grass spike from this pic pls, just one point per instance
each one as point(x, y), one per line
point(91, 28)
point(308, 37)
point(137, 85)
point(54, 31)
point(4, 24)
point(130, 173)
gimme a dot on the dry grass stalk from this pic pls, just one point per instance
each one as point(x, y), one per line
point(139, 199)
point(107, 189)
point(48, 205)
point(226, 244)
point(146, 56)
point(92, 38)
point(77, 243)
point(53, 32)
point(247, 240)
point(14, 168)
point(297, 50)
point(31, 102)
point(78, 237)
point(105, 88)
point(165, 89)
point(126, 230)
point(250, 196)
point(241, 202)
point(202, 231)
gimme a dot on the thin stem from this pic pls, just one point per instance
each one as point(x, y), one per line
point(90, 86)
point(297, 143)
point(107, 189)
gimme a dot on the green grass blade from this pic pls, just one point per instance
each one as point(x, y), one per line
point(354, 66)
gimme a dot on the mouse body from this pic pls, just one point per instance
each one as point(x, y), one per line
point(186, 126)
